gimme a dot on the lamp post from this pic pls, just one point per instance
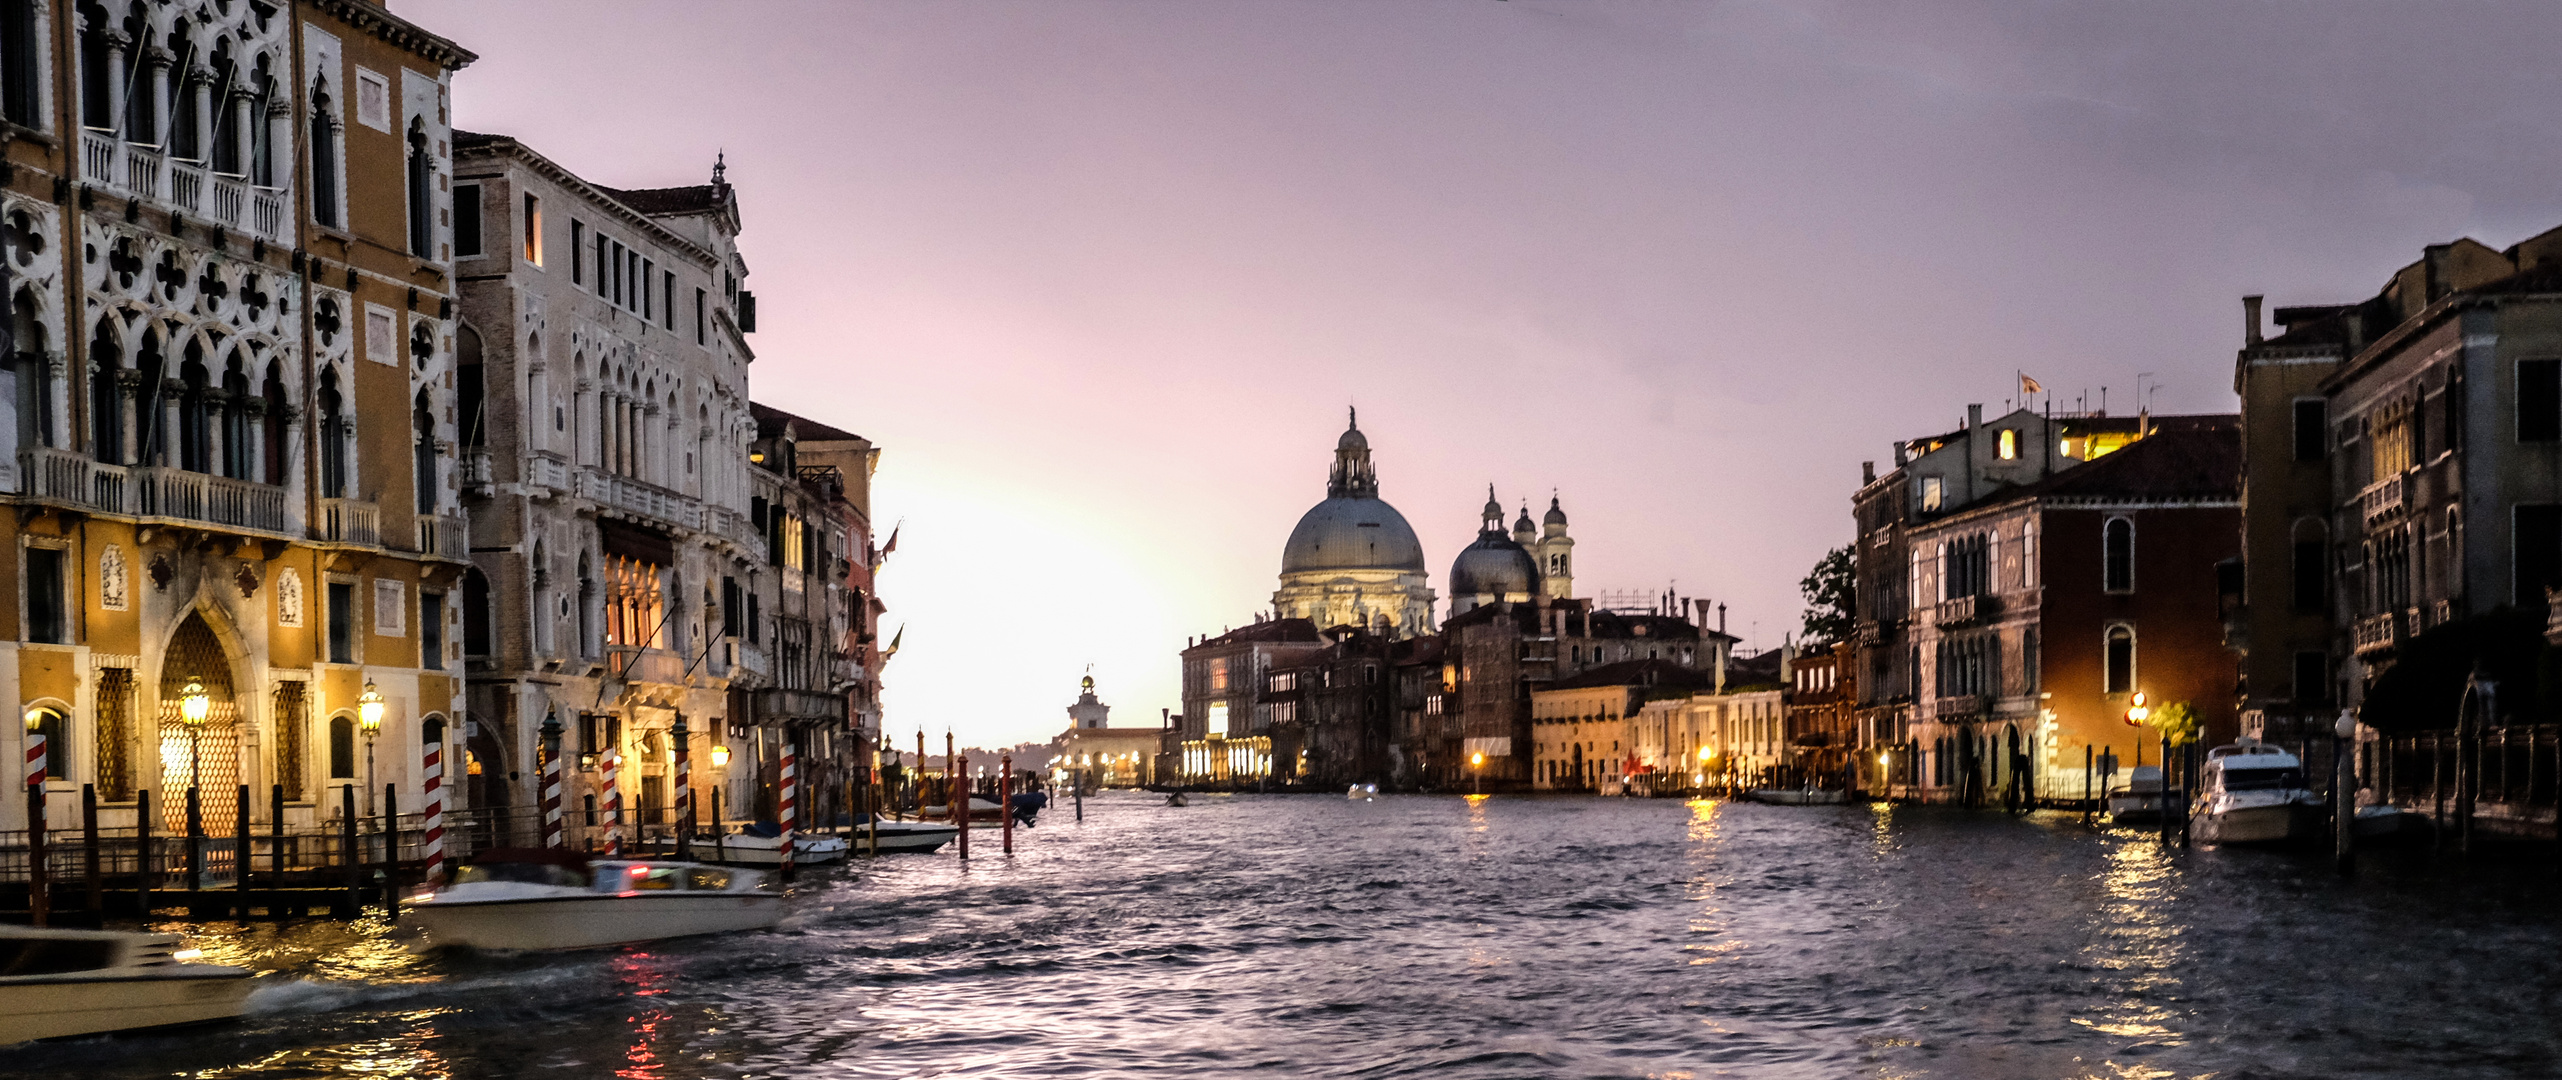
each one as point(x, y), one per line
point(1477, 773)
point(369, 719)
point(194, 706)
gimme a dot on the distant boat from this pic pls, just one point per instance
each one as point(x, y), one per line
point(55, 983)
point(2251, 793)
point(2139, 799)
point(1177, 799)
point(1363, 792)
point(1800, 796)
point(548, 899)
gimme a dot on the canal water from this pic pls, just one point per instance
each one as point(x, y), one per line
point(1435, 936)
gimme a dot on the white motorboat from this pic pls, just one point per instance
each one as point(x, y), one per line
point(916, 836)
point(549, 899)
point(1800, 796)
point(2251, 793)
point(55, 983)
point(1363, 792)
point(2139, 799)
point(751, 847)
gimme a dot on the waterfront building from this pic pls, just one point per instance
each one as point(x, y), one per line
point(1583, 729)
point(1226, 734)
point(1496, 657)
point(1823, 722)
point(1352, 560)
point(2443, 452)
point(813, 605)
point(1330, 710)
point(1932, 476)
point(2050, 605)
point(1103, 755)
point(230, 270)
point(604, 387)
point(2281, 619)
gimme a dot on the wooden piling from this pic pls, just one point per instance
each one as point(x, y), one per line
point(1005, 798)
point(240, 856)
point(720, 847)
point(959, 791)
point(142, 851)
point(391, 852)
point(2090, 766)
point(276, 847)
point(91, 875)
point(39, 875)
point(348, 854)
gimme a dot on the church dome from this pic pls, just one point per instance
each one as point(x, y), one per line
point(1493, 566)
point(1348, 532)
point(1556, 514)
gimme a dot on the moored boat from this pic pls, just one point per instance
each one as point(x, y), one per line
point(1800, 796)
point(549, 899)
point(904, 836)
point(2251, 793)
point(2139, 799)
point(762, 845)
point(56, 983)
point(1363, 792)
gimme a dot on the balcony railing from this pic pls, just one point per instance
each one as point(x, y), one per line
point(142, 170)
point(98, 157)
point(350, 521)
point(475, 467)
point(1965, 609)
point(644, 665)
point(228, 192)
point(443, 534)
point(2376, 633)
point(647, 500)
point(187, 185)
point(2381, 498)
point(63, 476)
point(1959, 705)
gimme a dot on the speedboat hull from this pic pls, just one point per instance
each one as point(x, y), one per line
point(553, 923)
point(1798, 797)
point(906, 836)
point(2135, 807)
point(80, 1004)
point(2266, 824)
point(742, 849)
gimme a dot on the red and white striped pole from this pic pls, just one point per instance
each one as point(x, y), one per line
point(791, 802)
point(684, 789)
point(432, 822)
point(551, 797)
point(613, 804)
point(35, 756)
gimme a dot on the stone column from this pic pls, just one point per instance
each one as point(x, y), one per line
point(151, 126)
point(170, 432)
point(253, 428)
point(243, 145)
point(217, 403)
point(200, 91)
point(280, 140)
point(129, 399)
point(117, 44)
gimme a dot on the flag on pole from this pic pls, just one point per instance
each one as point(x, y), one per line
point(2029, 386)
point(894, 640)
point(883, 556)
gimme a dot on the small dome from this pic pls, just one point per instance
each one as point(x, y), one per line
point(1522, 524)
point(1493, 566)
point(1350, 533)
point(1556, 513)
point(1352, 439)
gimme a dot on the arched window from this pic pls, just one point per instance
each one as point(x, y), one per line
point(35, 373)
point(333, 439)
point(238, 452)
point(423, 441)
point(324, 157)
point(468, 389)
point(476, 607)
point(586, 607)
point(276, 425)
point(342, 747)
point(2117, 556)
point(106, 398)
point(56, 729)
point(2311, 583)
point(2120, 661)
point(422, 232)
point(431, 733)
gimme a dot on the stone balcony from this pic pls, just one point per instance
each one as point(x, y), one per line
point(187, 187)
point(635, 665)
point(2374, 634)
point(2382, 499)
point(1965, 610)
point(152, 493)
point(349, 521)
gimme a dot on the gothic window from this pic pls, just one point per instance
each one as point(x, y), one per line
point(586, 607)
point(635, 604)
point(48, 618)
point(333, 439)
point(292, 735)
point(342, 748)
point(324, 158)
point(27, 356)
point(113, 773)
point(272, 433)
point(422, 171)
point(423, 443)
point(239, 453)
point(106, 399)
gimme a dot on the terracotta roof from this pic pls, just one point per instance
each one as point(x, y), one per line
point(2198, 458)
point(770, 421)
point(1281, 630)
point(1662, 673)
point(692, 199)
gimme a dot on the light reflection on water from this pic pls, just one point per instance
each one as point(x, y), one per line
point(1468, 938)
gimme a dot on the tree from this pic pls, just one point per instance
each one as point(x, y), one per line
point(2175, 721)
point(1828, 597)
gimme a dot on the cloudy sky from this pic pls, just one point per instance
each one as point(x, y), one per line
point(1102, 277)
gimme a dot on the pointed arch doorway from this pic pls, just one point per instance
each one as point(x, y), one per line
point(206, 757)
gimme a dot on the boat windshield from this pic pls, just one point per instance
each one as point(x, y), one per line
point(523, 873)
point(2262, 779)
point(54, 955)
point(645, 877)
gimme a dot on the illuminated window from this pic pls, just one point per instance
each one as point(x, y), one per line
point(1219, 675)
point(634, 604)
point(1931, 494)
point(1219, 719)
point(2009, 444)
point(533, 229)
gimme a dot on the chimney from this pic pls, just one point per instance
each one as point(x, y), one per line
point(1721, 618)
point(1867, 472)
point(2251, 320)
point(1974, 417)
point(1900, 452)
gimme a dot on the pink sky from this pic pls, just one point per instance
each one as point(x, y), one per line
point(1101, 277)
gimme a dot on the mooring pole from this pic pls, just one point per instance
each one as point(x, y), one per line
point(1005, 797)
point(39, 875)
point(347, 851)
point(195, 845)
point(684, 788)
point(240, 856)
point(91, 875)
point(391, 852)
point(276, 851)
point(2344, 793)
point(959, 791)
point(142, 849)
point(2090, 768)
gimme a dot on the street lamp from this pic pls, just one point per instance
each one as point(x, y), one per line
point(1477, 772)
point(194, 706)
point(369, 719)
point(720, 756)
